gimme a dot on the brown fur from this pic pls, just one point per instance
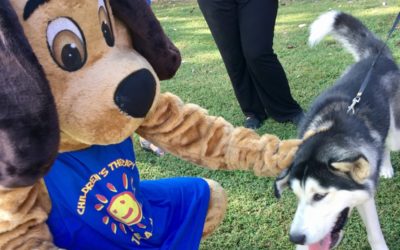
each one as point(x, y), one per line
point(23, 213)
point(78, 94)
point(188, 132)
point(217, 207)
point(88, 115)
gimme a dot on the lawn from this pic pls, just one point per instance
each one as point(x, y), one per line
point(255, 219)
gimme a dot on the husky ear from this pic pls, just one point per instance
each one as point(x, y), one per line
point(359, 169)
point(281, 182)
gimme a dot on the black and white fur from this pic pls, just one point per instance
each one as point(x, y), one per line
point(338, 165)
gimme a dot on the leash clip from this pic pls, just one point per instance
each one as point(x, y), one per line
point(367, 78)
point(356, 100)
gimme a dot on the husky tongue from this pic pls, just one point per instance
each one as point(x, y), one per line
point(324, 244)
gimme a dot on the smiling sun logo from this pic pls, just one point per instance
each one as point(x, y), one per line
point(124, 210)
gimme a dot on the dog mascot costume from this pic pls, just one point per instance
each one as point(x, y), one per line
point(103, 60)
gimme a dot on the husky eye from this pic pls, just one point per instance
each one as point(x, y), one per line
point(318, 197)
point(66, 44)
point(105, 24)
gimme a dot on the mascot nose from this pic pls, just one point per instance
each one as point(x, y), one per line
point(135, 94)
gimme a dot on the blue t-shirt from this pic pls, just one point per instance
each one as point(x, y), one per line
point(99, 202)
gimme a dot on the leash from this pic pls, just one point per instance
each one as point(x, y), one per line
point(357, 99)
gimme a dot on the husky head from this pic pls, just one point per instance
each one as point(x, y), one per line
point(330, 175)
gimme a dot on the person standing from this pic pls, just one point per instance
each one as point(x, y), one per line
point(243, 31)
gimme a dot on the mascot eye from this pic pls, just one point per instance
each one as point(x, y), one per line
point(66, 44)
point(105, 24)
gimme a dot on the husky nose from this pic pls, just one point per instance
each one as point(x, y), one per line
point(135, 94)
point(298, 239)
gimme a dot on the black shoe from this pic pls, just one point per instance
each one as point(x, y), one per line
point(252, 122)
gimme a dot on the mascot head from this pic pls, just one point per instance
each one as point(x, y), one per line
point(103, 72)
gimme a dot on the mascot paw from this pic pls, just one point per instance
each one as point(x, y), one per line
point(278, 159)
point(286, 153)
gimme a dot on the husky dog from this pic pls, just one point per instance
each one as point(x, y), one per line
point(338, 165)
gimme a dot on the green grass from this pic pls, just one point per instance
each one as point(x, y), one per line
point(255, 219)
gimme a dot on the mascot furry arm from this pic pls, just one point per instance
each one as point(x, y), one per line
point(186, 130)
point(104, 75)
point(29, 138)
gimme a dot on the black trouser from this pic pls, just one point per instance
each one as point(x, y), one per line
point(243, 31)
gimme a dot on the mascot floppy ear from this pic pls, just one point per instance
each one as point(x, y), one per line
point(148, 37)
point(29, 132)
